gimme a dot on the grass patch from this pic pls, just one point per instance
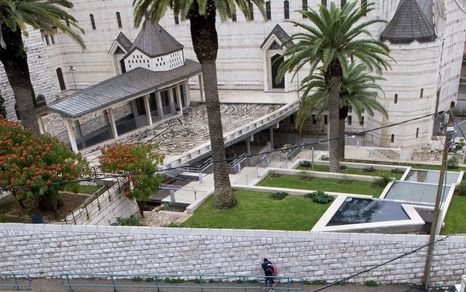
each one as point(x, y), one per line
point(348, 170)
point(323, 184)
point(83, 189)
point(455, 221)
point(256, 210)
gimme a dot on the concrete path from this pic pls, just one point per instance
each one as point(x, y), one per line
point(54, 285)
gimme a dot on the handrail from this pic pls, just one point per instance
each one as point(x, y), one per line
point(18, 281)
point(179, 281)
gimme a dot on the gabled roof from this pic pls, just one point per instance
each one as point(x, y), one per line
point(124, 41)
point(412, 21)
point(279, 33)
point(127, 86)
point(155, 41)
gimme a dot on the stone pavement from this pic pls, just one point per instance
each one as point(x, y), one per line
point(54, 285)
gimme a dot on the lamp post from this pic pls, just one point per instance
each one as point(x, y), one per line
point(72, 69)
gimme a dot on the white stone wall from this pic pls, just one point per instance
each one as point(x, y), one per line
point(53, 249)
point(42, 75)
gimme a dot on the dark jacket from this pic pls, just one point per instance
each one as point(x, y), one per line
point(268, 269)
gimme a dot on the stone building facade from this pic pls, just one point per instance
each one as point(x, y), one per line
point(424, 75)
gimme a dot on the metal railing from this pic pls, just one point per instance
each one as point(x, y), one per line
point(199, 282)
point(238, 163)
point(204, 167)
point(18, 281)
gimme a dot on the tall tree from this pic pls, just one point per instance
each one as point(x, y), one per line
point(359, 91)
point(15, 16)
point(333, 36)
point(202, 16)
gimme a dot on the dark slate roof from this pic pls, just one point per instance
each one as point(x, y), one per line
point(280, 33)
point(132, 84)
point(154, 41)
point(124, 41)
point(412, 21)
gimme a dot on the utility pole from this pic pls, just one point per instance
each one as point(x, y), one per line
point(435, 215)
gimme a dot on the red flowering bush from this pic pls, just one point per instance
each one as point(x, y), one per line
point(138, 162)
point(36, 168)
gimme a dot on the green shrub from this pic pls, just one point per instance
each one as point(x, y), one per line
point(369, 169)
point(279, 195)
point(453, 162)
point(136, 279)
point(461, 189)
point(371, 283)
point(383, 181)
point(397, 170)
point(131, 221)
point(319, 197)
point(173, 280)
point(316, 282)
point(306, 164)
point(342, 167)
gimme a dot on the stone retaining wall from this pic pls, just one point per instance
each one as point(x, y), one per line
point(48, 250)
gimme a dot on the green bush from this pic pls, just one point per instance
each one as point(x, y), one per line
point(315, 282)
point(319, 197)
point(461, 189)
point(306, 164)
point(371, 283)
point(369, 169)
point(173, 280)
point(131, 221)
point(279, 195)
point(397, 170)
point(383, 181)
point(342, 167)
point(453, 162)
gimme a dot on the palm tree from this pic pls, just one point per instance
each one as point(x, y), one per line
point(15, 16)
point(202, 16)
point(359, 91)
point(334, 36)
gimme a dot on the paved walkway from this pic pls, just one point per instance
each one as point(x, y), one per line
point(53, 285)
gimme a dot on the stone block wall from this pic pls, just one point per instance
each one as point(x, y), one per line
point(48, 250)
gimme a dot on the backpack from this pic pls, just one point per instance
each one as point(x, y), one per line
point(274, 270)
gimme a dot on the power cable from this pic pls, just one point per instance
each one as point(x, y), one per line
point(343, 280)
point(87, 179)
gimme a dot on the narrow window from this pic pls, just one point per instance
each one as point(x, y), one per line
point(325, 119)
point(304, 5)
point(92, 21)
point(417, 132)
point(177, 19)
point(361, 121)
point(396, 98)
point(350, 120)
point(233, 15)
point(364, 7)
point(314, 120)
point(286, 8)
point(324, 2)
point(268, 11)
point(251, 11)
point(342, 3)
point(52, 39)
point(392, 139)
point(422, 92)
point(47, 41)
point(118, 17)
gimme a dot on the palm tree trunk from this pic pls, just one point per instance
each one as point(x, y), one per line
point(205, 44)
point(343, 114)
point(14, 59)
point(333, 79)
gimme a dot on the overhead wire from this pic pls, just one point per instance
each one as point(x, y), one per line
point(162, 170)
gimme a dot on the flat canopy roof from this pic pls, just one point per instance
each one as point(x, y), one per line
point(129, 85)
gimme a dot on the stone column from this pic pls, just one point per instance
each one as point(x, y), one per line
point(111, 121)
point(248, 144)
point(41, 124)
point(271, 138)
point(171, 99)
point(201, 87)
point(147, 108)
point(69, 129)
point(187, 93)
point(178, 96)
point(158, 99)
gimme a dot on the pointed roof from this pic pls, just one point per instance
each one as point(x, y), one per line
point(279, 33)
point(154, 41)
point(124, 41)
point(412, 21)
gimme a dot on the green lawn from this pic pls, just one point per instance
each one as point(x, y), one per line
point(455, 221)
point(322, 184)
point(358, 171)
point(256, 210)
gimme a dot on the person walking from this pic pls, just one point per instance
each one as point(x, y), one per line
point(268, 268)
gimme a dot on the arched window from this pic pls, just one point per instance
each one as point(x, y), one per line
point(422, 92)
point(118, 17)
point(233, 15)
point(417, 132)
point(276, 61)
point(286, 8)
point(91, 16)
point(177, 19)
point(392, 138)
point(304, 7)
point(396, 98)
point(268, 12)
